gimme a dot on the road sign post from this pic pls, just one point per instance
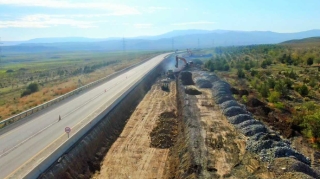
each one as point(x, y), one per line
point(67, 130)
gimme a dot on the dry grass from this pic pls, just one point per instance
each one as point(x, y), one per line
point(13, 104)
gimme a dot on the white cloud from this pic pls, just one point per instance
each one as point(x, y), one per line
point(152, 9)
point(114, 9)
point(142, 26)
point(44, 21)
point(193, 23)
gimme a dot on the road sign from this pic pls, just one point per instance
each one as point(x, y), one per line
point(67, 129)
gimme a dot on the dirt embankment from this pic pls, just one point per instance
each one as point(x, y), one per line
point(142, 148)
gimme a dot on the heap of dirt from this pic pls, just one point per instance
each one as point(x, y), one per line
point(186, 78)
point(254, 102)
point(270, 116)
point(192, 91)
point(164, 134)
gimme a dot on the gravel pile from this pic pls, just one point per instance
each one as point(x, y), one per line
point(248, 123)
point(261, 140)
point(203, 83)
point(233, 111)
point(239, 118)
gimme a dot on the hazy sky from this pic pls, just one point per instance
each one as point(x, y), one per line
point(27, 19)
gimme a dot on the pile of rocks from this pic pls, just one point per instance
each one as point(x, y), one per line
point(262, 140)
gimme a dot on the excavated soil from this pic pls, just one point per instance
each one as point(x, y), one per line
point(164, 134)
point(186, 78)
point(141, 150)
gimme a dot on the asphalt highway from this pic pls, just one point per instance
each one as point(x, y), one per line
point(23, 142)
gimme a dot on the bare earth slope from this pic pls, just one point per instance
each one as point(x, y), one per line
point(131, 155)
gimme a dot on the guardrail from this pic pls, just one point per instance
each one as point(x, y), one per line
point(54, 156)
point(40, 107)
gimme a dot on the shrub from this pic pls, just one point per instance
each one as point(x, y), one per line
point(311, 123)
point(31, 88)
point(292, 75)
point(274, 97)
point(310, 61)
point(288, 83)
point(244, 98)
point(240, 73)
point(226, 67)
point(279, 105)
point(264, 90)
point(247, 67)
point(281, 88)
point(312, 83)
point(271, 83)
point(303, 90)
point(264, 64)
point(253, 72)
point(25, 93)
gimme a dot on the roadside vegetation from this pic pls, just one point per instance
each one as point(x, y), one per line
point(284, 77)
point(28, 80)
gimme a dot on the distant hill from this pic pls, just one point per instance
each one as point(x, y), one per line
point(182, 39)
point(177, 33)
point(65, 39)
point(312, 41)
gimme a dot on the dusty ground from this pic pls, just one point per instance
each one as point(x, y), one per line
point(225, 146)
point(132, 156)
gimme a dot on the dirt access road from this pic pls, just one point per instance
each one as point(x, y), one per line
point(132, 156)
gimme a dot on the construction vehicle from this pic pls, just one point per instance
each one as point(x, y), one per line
point(190, 63)
point(170, 74)
point(165, 84)
point(182, 59)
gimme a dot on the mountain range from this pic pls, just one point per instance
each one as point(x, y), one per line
point(178, 39)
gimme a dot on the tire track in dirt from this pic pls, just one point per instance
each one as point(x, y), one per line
point(131, 155)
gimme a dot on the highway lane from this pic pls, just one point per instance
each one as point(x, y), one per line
point(22, 143)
